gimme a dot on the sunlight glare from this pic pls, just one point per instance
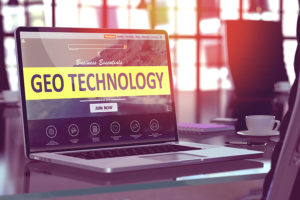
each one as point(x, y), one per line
point(210, 26)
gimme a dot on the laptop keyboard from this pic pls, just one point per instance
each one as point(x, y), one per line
point(131, 151)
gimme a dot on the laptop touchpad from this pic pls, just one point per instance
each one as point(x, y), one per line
point(173, 157)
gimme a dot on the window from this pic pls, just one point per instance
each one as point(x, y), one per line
point(195, 28)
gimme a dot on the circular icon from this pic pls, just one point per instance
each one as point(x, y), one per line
point(94, 129)
point(115, 127)
point(73, 130)
point(135, 126)
point(51, 131)
point(154, 125)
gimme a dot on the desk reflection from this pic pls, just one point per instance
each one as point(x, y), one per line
point(45, 177)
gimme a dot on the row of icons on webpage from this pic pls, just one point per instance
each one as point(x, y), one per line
point(94, 129)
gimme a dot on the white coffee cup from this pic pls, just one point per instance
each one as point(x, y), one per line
point(262, 123)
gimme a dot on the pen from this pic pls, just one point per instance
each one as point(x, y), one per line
point(247, 143)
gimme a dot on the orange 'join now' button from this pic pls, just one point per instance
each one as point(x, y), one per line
point(110, 36)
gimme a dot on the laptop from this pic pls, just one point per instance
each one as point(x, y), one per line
point(102, 100)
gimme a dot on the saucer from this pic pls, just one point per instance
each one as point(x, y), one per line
point(258, 134)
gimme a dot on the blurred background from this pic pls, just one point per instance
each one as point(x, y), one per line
point(202, 79)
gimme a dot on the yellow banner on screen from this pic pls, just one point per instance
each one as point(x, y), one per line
point(90, 82)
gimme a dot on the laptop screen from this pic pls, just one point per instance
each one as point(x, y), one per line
point(85, 90)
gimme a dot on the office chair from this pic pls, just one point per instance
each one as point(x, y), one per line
point(287, 169)
point(255, 59)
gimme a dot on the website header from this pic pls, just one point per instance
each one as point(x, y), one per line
point(108, 36)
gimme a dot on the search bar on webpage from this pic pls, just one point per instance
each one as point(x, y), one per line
point(74, 47)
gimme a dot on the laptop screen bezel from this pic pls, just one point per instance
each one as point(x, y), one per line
point(82, 30)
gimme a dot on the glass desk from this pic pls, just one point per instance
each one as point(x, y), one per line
point(24, 179)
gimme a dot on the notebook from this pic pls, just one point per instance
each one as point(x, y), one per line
point(204, 128)
point(102, 100)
